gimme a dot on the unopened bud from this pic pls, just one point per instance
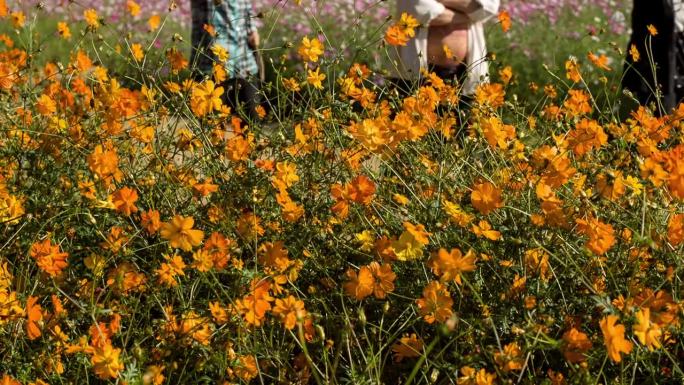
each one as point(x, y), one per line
point(362, 317)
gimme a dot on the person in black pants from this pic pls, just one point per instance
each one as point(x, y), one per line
point(229, 25)
point(660, 82)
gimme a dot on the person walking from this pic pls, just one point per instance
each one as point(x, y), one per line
point(451, 41)
point(228, 25)
point(654, 66)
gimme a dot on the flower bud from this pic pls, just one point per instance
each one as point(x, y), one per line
point(362, 316)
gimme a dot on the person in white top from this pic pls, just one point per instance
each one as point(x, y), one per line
point(455, 24)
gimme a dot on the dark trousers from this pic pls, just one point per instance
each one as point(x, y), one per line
point(242, 96)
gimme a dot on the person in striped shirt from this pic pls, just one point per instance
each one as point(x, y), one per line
point(228, 24)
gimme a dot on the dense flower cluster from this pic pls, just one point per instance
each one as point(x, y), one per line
point(150, 234)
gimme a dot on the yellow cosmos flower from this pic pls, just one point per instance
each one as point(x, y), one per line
point(310, 49)
point(315, 78)
point(180, 234)
point(91, 18)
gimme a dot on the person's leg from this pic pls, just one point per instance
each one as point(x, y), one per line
point(679, 69)
point(230, 95)
point(249, 96)
point(242, 96)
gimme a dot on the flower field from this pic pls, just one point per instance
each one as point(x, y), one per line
point(346, 234)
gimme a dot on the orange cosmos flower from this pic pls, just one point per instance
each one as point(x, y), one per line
point(205, 188)
point(572, 71)
point(510, 358)
point(168, 271)
point(177, 60)
point(383, 279)
point(274, 257)
point(496, 132)
point(196, 327)
point(180, 234)
point(578, 103)
point(436, 303)
point(599, 61)
point(310, 49)
point(45, 105)
point(652, 29)
point(537, 260)
point(315, 78)
point(506, 75)
point(239, 147)
point(290, 310)
point(399, 33)
point(137, 51)
point(249, 226)
point(486, 198)
point(34, 314)
point(450, 265)
point(105, 164)
point(505, 20)
point(575, 345)
point(396, 36)
point(154, 22)
point(133, 8)
point(408, 346)
point(18, 19)
point(253, 307)
point(614, 338)
point(456, 213)
point(91, 18)
point(491, 94)
point(63, 30)
point(361, 190)
point(634, 52)
point(411, 242)
point(470, 376)
point(601, 235)
point(153, 375)
point(7, 380)
point(210, 29)
point(150, 220)
point(105, 361)
point(291, 84)
point(404, 126)
point(648, 332)
point(675, 229)
point(6, 276)
point(206, 98)
point(126, 278)
point(611, 191)
point(587, 135)
point(372, 134)
point(285, 175)
point(674, 165)
point(49, 258)
point(359, 285)
point(219, 313)
point(124, 200)
point(247, 368)
point(408, 23)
